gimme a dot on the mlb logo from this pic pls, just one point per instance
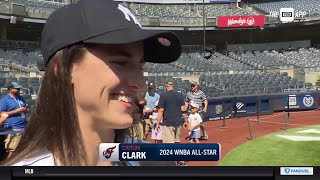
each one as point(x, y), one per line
point(109, 151)
point(286, 14)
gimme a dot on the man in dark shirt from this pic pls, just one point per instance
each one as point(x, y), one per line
point(170, 115)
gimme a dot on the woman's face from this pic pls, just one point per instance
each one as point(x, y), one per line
point(106, 82)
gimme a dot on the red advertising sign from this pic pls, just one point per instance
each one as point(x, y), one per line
point(241, 21)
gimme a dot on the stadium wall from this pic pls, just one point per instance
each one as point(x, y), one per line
point(242, 106)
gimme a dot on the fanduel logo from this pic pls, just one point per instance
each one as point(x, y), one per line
point(296, 171)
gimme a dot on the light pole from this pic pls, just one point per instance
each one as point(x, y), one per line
point(204, 27)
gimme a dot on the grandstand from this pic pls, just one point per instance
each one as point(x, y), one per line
point(254, 72)
point(186, 10)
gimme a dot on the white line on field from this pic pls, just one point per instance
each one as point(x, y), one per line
point(300, 138)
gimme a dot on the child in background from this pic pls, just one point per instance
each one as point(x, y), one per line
point(156, 134)
point(194, 122)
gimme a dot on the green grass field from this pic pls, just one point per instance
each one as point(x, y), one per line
point(272, 150)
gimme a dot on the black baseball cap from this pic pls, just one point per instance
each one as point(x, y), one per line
point(150, 84)
point(105, 22)
point(14, 85)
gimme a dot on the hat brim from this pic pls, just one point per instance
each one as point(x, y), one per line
point(194, 106)
point(154, 51)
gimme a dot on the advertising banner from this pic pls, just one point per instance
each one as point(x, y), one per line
point(241, 21)
point(301, 101)
point(242, 106)
point(219, 108)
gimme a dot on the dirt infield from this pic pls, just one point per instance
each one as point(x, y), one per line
point(237, 131)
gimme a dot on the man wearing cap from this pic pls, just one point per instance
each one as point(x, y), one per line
point(151, 97)
point(14, 107)
point(170, 115)
point(197, 96)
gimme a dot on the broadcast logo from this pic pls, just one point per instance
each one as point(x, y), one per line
point(109, 152)
point(286, 14)
point(296, 171)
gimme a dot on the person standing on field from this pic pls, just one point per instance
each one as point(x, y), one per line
point(197, 96)
point(171, 105)
point(151, 97)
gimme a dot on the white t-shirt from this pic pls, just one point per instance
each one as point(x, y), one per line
point(194, 119)
point(45, 158)
point(42, 158)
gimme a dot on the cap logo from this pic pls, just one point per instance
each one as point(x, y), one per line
point(127, 13)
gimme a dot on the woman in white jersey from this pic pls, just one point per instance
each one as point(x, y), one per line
point(94, 53)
